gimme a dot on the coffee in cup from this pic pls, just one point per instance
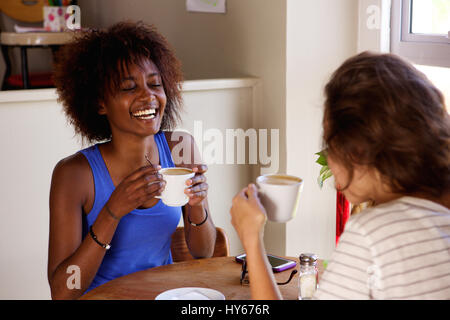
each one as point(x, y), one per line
point(173, 194)
point(176, 171)
point(280, 195)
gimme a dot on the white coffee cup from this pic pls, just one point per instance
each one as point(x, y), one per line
point(173, 194)
point(280, 195)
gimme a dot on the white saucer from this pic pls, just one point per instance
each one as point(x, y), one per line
point(191, 293)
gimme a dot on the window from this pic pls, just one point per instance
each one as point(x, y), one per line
point(430, 18)
point(420, 31)
point(440, 78)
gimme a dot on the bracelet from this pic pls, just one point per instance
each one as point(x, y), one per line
point(111, 213)
point(105, 246)
point(198, 224)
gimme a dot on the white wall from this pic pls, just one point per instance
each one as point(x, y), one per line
point(374, 19)
point(220, 108)
point(33, 138)
point(321, 34)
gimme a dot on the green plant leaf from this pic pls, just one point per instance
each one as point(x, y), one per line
point(322, 160)
point(320, 182)
point(326, 175)
point(325, 171)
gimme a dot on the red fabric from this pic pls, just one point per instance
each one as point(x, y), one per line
point(36, 80)
point(342, 214)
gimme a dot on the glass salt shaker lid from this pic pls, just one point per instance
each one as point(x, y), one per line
point(308, 259)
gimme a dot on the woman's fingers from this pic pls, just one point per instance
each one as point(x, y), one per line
point(196, 180)
point(141, 172)
point(199, 175)
point(252, 192)
point(247, 215)
point(197, 188)
point(150, 190)
point(155, 189)
point(241, 195)
point(201, 168)
point(138, 187)
point(246, 202)
point(145, 180)
point(201, 194)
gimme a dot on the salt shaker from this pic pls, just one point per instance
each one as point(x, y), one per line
point(307, 279)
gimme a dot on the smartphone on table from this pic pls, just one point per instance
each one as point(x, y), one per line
point(278, 263)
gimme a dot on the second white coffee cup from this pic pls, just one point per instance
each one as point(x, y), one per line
point(173, 194)
point(280, 195)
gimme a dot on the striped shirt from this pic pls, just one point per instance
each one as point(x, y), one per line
point(396, 250)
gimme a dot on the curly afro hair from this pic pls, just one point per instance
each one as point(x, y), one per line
point(89, 69)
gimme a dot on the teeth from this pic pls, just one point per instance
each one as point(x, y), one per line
point(147, 117)
point(146, 112)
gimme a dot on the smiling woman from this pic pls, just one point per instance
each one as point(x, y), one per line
point(139, 101)
point(97, 65)
point(120, 87)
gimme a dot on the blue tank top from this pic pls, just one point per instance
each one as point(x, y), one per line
point(143, 236)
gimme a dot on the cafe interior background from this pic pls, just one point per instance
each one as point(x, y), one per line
point(262, 64)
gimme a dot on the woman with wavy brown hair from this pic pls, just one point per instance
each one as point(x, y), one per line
point(120, 88)
point(387, 136)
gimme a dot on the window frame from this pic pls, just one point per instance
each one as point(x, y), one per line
point(425, 49)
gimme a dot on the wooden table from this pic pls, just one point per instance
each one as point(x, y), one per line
point(28, 40)
point(222, 274)
point(35, 38)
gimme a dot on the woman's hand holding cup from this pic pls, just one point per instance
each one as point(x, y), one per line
point(248, 215)
point(276, 198)
point(198, 187)
point(136, 189)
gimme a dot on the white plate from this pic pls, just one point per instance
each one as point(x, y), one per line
point(191, 293)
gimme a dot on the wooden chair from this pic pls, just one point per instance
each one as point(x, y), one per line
point(180, 251)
